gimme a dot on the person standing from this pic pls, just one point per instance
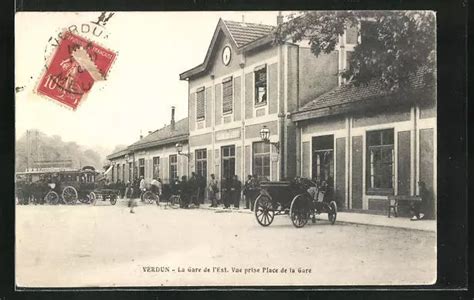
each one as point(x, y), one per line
point(202, 188)
point(247, 191)
point(184, 188)
point(235, 191)
point(193, 190)
point(212, 190)
point(226, 191)
point(142, 187)
point(132, 203)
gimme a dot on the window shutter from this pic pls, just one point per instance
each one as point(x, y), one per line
point(200, 105)
point(227, 104)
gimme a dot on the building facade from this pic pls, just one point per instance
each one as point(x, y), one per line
point(367, 142)
point(371, 143)
point(246, 83)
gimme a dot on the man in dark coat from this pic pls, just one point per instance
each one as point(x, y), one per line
point(184, 187)
point(226, 191)
point(201, 180)
point(235, 191)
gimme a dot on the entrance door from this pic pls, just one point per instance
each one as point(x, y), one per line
point(323, 159)
point(228, 161)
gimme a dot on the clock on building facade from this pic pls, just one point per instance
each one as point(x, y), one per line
point(226, 55)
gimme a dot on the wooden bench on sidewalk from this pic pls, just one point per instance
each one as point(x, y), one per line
point(394, 202)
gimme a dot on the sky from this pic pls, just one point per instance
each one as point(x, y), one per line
point(153, 49)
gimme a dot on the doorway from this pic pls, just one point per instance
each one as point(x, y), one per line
point(228, 161)
point(323, 159)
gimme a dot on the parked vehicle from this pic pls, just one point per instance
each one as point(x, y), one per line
point(64, 186)
point(301, 199)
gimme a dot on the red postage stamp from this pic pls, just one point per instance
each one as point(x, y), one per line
point(76, 64)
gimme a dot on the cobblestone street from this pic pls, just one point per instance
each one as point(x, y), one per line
point(104, 245)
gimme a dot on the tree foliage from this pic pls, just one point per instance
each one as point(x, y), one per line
point(394, 44)
point(44, 147)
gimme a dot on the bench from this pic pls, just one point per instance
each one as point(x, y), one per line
point(394, 202)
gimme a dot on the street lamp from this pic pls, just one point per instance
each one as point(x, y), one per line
point(179, 149)
point(265, 137)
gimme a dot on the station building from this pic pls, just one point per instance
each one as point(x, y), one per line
point(370, 142)
point(247, 83)
point(153, 156)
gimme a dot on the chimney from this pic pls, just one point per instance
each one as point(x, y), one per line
point(279, 18)
point(172, 118)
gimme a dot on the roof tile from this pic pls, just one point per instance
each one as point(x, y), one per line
point(161, 136)
point(349, 93)
point(245, 33)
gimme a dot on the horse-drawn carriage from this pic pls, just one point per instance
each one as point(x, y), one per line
point(301, 199)
point(66, 186)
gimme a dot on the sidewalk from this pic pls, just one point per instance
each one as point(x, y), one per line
point(357, 218)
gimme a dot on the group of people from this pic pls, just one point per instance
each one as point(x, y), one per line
point(191, 190)
point(232, 191)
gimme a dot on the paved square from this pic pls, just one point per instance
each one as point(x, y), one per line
point(90, 246)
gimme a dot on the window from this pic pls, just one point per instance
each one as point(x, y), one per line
point(173, 166)
point(380, 161)
point(261, 160)
point(130, 171)
point(261, 85)
point(141, 167)
point(323, 158)
point(227, 91)
point(201, 162)
point(200, 105)
point(112, 171)
point(228, 161)
point(156, 167)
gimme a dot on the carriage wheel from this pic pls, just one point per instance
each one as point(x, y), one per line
point(113, 199)
point(92, 198)
point(264, 210)
point(69, 195)
point(300, 211)
point(148, 197)
point(51, 198)
point(332, 213)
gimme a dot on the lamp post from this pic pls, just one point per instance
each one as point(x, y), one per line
point(179, 149)
point(265, 137)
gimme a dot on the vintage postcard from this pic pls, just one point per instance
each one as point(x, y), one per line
point(225, 148)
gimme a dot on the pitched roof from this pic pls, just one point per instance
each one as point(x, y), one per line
point(163, 136)
point(350, 94)
point(119, 153)
point(243, 36)
point(245, 33)
point(159, 137)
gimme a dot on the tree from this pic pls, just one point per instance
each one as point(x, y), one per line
point(394, 45)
